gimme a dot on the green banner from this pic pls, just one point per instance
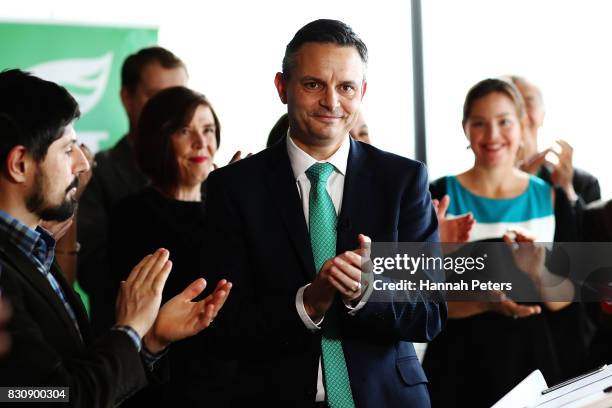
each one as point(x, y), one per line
point(87, 61)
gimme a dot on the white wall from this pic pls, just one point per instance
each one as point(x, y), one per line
point(561, 46)
point(234, 48)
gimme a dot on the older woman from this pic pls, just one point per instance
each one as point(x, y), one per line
point(177, 137)
point(488, 347)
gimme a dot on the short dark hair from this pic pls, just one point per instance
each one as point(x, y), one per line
point(489, 86)
point(33, 113)
point(163, 115)
point(135, 63)
point(323, 31)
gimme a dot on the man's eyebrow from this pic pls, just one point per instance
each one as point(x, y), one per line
point(311, 78)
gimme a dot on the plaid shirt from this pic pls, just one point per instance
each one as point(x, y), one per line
point(39, 246)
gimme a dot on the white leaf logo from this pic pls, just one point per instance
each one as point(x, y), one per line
point(85, 78)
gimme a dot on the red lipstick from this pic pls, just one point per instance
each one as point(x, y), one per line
point(198, 159)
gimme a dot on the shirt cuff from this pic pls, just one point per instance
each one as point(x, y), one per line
point(150, 358)
point(352, 310)
point(299, 305)
point(132, 333)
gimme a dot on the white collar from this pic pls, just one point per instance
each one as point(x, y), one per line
point(301, 161)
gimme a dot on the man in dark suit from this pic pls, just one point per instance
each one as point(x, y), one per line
point(289, 226)
point(51, 339)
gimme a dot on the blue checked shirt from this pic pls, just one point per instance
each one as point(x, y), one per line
point(39, 246)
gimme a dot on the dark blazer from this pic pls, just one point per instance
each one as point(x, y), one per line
point(598, 221)
point(257, 238)
point(569, 219)
point(46, 348)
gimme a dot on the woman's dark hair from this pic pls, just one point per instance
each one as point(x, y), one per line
point(33, 113)
point(279, 130)
point(489, 86)
point(162, 116)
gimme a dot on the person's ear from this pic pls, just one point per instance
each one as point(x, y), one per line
point(364, 87)
point(281, 86)
point(466, 134)
point(126, 99)
point(18, 163)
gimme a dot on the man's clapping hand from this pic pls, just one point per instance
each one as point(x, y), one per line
point(138, 304)
point(341, 274)
point(180, 317)
point(141, 294)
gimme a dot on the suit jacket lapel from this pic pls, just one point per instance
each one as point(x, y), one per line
point(281, 184)
point(75, 301)
point(357, 184)
point(13, 256)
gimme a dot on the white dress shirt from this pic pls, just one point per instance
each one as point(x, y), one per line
point(300, 162)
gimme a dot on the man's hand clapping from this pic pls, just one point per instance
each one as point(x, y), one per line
point(141, 294)
point(138, 304)
point(180, 317)
point(341, 274)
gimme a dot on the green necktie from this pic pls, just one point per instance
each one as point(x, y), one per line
point(322, 224)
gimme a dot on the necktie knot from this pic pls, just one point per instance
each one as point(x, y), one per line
point(319, 172)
